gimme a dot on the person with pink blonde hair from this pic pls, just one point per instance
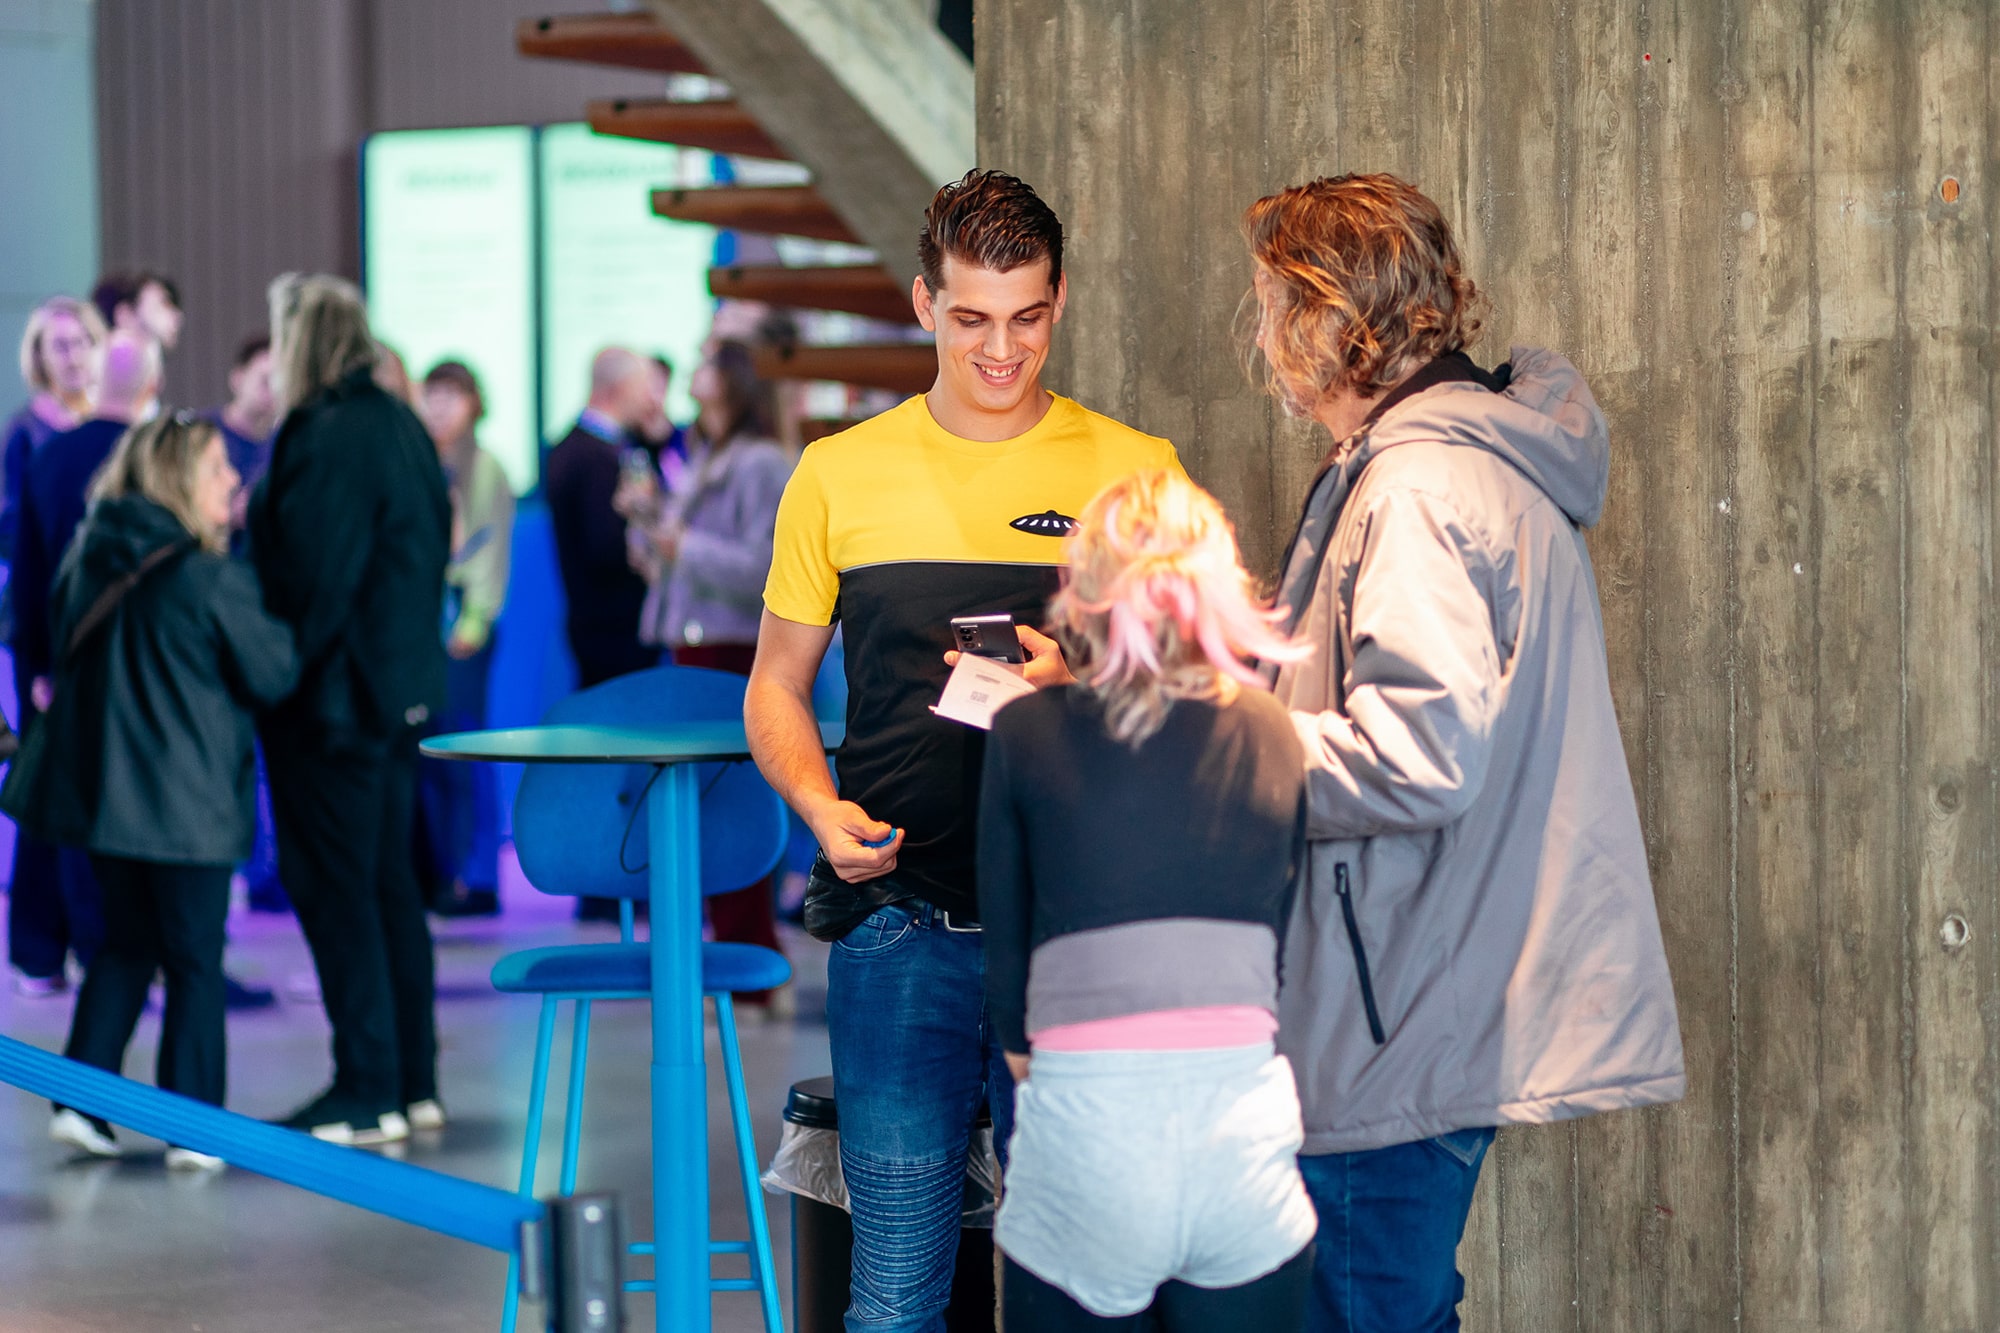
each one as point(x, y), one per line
point(1140, 835)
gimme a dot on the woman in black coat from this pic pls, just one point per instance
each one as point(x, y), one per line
point(350, 530)
point(144, 759)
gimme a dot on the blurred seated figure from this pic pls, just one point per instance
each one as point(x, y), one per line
point(350, 532)
point(705, 550)
point(144, 756)
point(459, 805)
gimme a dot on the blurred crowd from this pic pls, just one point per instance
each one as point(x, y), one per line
point(230, 629)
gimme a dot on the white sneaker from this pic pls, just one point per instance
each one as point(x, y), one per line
point(389, 1127)
point(187, 1159)
point(39, 988)
point(427, 1115)
point(82, 1132)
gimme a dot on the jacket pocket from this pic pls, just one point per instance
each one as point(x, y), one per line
point(1342, 887)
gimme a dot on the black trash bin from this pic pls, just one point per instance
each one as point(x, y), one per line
point(823, 1242)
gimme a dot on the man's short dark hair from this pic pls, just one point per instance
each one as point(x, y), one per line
point(250, 349)
point(990, 220)
point(116, 289)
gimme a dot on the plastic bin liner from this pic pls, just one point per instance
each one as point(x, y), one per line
point(808, 1163)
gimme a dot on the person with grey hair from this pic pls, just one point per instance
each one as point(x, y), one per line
point(605, 597)
point(350, 531)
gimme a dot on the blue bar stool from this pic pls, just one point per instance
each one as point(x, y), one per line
point(580, 830)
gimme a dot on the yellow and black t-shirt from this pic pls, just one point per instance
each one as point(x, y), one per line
point(894, 527)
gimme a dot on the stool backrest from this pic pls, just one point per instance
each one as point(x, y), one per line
point(580, 829)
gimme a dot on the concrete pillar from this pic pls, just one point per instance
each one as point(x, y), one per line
point(1766, 235)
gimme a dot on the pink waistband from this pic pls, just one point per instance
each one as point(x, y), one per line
point(1210, 1026)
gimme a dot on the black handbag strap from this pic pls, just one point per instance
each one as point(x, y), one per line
point(115, 592)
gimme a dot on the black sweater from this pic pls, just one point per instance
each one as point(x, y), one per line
point(350, 530)
point(146, 751)
point(1141, 867)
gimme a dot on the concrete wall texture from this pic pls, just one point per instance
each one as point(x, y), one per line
point(1764, 229)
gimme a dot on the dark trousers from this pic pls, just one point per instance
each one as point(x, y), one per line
point(53, 901)
point(750, 915)
point(598, 663)
point(459, 803)
point(158, 918)
point(344, 851)
point(1274, 1303)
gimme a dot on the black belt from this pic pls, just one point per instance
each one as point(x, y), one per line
point(835, 906)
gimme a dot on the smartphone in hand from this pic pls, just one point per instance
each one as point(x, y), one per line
point(988, 636)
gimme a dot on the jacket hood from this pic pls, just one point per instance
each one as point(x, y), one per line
point(119, 534)
point(1545, 423)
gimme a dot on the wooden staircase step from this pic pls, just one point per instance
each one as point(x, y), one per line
point(898, 367)
point(717, 126)
point(772, 210)
point(627, 41)
point(856, 289)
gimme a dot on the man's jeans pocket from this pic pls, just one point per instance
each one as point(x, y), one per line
point(881, 932)
point(1464, 1146)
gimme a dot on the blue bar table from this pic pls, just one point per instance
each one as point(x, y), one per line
point(679, 1078)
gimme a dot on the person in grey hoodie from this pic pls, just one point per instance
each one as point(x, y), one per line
point(1476, 941)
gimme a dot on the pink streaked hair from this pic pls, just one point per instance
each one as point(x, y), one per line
point(1156, 606)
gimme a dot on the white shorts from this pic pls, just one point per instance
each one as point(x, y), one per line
point(1132, 1168)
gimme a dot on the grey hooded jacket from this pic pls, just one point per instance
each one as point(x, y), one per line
point(1476, 941)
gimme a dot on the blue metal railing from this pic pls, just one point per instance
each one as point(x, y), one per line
point(495, 1218)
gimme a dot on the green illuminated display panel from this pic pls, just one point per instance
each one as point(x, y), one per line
point(612, 272)
point(448, 244)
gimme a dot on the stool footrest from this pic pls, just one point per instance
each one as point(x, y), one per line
point(729, 1247)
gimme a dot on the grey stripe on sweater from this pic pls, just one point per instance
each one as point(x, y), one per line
point(1144, 966)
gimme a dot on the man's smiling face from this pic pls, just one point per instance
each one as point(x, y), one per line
point(993, 331)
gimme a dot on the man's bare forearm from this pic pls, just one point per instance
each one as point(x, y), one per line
point(784, 740)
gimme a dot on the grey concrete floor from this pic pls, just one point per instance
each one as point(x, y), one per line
point(93, 1247)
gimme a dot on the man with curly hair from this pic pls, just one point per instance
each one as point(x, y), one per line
point(1475, 943)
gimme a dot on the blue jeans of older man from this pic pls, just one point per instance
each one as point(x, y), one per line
point(913, 1061)
point(1390, 1219)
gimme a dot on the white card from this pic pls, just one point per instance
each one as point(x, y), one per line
point(978, 687)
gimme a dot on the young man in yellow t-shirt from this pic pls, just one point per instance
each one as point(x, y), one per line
point(955, 503)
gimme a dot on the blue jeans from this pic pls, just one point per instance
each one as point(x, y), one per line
point(913, 1061)
point(1390, 1219)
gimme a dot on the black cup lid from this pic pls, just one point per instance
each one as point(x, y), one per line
point(811, 1103)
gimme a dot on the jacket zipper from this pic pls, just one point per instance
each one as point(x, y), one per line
point(1341, 887)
